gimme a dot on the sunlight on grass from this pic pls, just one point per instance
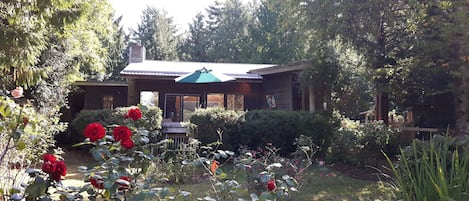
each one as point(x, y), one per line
point(317, 185)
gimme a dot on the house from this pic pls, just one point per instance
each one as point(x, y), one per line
point(150, 82)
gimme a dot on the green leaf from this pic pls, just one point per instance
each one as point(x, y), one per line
point(185, 193)
point(208, 198)
point(267, 196)
point(37, 188)
point(265, 177)
point(222, 153)
point(81, 144)
point(20, 145)
point(277, 165)
point(17, 134)
point(145, 195)
point(164, 192)
point(143, 108)
point(254, 197)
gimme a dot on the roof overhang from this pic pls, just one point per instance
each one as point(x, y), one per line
point(102, 83)
point(297, 66)
point(165, 70)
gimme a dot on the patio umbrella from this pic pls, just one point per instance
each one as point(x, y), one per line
point(203, 76)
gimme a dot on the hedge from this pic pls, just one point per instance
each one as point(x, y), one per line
point(258, 127)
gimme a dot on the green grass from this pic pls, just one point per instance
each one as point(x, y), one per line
point(322, 188)
point(314, 186)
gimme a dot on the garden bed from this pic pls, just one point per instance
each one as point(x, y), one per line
point(340, 182)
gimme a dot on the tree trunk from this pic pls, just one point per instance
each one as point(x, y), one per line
point(382, 107)
point(382, 101)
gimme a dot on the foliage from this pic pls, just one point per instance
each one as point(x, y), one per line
point(278, 127)
point(352, 91)
point(195, 46)
point(362, 144)
point(25, 35)
point(151, 120)
point(137, 172)
point(206, 123)
point(227, 23)
point(32, 28)
point(441, 51)
point(272, 39)
point(157, 34)
point(433, 170)
point(117, 50)
point(22, 127)
point(258, 127)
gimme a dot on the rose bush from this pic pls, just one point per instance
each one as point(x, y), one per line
point(123, 153)
point(23, 126)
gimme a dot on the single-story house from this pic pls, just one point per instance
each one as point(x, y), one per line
point(150, 82)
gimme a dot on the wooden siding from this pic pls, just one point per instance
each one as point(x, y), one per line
point(94, 96)
point(280, 86)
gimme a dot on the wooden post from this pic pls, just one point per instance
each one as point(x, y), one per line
point(312, 104)
point(131, 92)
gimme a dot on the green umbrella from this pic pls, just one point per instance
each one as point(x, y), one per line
point(203, 76)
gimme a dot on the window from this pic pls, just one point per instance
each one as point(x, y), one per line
point(149, 98)
point(235, 102)
point(180, 107)
point(216, 100)
point(108, 102)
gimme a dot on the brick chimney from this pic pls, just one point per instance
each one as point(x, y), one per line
point(136, 53)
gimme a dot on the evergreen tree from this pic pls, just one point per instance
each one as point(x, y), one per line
point(157, 33)
point(273, 38)
point(228, 34)
point(197, 43)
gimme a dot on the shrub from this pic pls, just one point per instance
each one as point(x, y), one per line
point(151, 120)
point(206, 124)
point(259, 127)
point(278, 127)
point(433, 170)
point(25, 134)
point(362, 144)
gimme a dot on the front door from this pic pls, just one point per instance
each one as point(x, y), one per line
point(179, 107)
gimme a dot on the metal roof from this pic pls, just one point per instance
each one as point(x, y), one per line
point(168, 69)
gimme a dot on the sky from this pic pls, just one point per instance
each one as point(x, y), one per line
point(182, 11)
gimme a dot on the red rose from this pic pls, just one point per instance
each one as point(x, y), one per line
point(128, 144)
point(94, 131)
point(122, 133)
point(60, 170)
point(55, 169)
point(134, 113)
point(124, 186)
point(97, 183)
point(49, 158)
point(49, 167)
point(271, 185)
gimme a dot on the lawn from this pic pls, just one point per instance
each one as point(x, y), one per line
point(317, 185)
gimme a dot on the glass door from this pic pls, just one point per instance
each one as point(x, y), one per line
point(180, 107)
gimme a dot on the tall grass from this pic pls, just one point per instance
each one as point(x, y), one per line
point(437, 169)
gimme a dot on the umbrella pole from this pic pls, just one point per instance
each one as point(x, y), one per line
point(204, 99)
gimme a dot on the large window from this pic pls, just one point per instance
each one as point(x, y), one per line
point(235, 102)
point(149, 98)
point(216, 100)
point(180, 107)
